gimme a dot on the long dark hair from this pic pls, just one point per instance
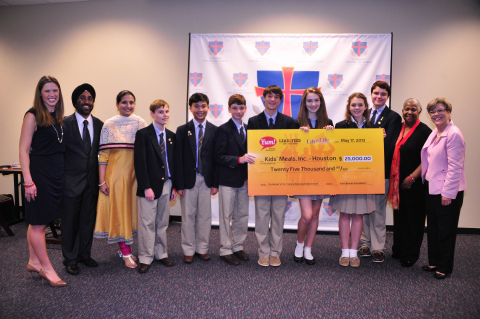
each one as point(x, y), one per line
point(42, 116)
point(322, 117)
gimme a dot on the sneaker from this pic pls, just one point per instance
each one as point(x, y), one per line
point(275, 261)
point(263, 262)
point(354, 261)
point(343, 261)
point(364, 252)
point(378, 256)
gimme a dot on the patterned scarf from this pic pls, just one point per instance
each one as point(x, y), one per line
point(119, 131)
point(394, 189)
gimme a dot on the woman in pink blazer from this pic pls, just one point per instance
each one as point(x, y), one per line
point(443, 172)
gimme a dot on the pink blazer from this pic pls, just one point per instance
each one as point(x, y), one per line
point(446, 164)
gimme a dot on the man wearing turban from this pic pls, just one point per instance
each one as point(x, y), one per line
point(82, 136)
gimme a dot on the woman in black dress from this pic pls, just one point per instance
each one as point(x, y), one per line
point(406, 191)
point(41, 157)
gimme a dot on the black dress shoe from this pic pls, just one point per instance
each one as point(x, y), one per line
point(89, 262)
point(230, 259)
point(167, 262)
point(439, 275)
point(241, 255)
point(428, 268)
point(310, 261)
point(72, 269)
point(298, 259)
point(143, 268)
point(204, 257)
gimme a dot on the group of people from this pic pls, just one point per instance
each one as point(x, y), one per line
point(115, 180)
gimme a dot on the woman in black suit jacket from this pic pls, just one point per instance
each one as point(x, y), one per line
point(406, 191)
point(312, 114)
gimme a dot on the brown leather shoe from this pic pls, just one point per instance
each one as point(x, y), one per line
point(143, 268)
point(168, 262)
point(241, 255)
point(188, 259)
point(204, 257)
point(230, 259)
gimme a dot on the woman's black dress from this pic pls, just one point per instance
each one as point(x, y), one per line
point(409, 219)
point(46, 168)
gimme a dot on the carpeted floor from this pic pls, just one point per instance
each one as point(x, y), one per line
point(214, 289)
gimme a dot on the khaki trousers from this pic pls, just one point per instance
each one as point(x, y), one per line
point(233, 218)
point(270, 210)
point(374, 225)
point(196, 218)
point(153, 217)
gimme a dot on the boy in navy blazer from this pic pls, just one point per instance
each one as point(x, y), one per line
point(372, 242)
point(195, 178)
point(154, 153)
point(232, 158)
point(270, 209)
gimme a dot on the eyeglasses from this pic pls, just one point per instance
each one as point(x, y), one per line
point(83, 99)
point(439, 111)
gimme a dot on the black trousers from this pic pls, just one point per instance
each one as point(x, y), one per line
point(78, 222)
point(442, 223)
point(408, 231)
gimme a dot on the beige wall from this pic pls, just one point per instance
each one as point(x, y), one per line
point(143, 46)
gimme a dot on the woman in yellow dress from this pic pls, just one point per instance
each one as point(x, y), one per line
point(117, 203)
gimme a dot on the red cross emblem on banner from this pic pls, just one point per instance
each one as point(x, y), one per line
point(214, 46)
point(262, 47)
point(195, 78)
point(358, 47)
point(216, 109)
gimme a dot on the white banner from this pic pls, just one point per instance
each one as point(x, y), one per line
point(339, 64)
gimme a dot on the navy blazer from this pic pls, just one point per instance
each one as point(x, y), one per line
point(259, 122)
point(392, 123)
point(229, 147)
point(186, 153)
point(80, 168)
point(148, 163)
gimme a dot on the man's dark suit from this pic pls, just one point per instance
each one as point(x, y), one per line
point(270, 209)
point(149, 167)
point(374, 224)
point(196, 203)
point(228, 148)
point(81, 192)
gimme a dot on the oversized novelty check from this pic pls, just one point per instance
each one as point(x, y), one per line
point(339, 161)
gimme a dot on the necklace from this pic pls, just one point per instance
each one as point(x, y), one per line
point(60, 140)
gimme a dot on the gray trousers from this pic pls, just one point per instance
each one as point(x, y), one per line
point(233, 218)
point(374, 225)
point(270, 210)
point(153, 219)
point(196, 218)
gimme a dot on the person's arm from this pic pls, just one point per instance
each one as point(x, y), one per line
point(455, 148)
point(412, 178)
point(102, 169)
point(26, 136)
point(179, 161)
point(141, 167)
